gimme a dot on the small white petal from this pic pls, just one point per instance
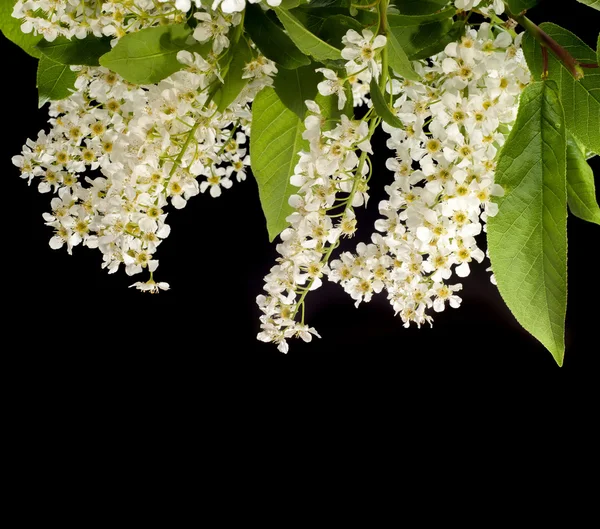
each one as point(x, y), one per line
point(463, 270)
point(424, 234)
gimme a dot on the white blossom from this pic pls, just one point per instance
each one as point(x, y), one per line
point(155, 148)
point(434, 213)
point(328, 176)
point(150, 286)
point(362, 49)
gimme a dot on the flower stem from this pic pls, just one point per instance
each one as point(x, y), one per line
point(188, 140)
point(546, 41)
point(334, 245)
point(382, 8)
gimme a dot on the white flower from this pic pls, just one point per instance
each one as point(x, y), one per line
point(151, 147)
point(466, 5)
point(433, 213)
point(362, 49)
point(329, 168)
point(212, 26)
point(184, 5)
point(445, 294)
point(215, 181)
point(332, 85)
point(150, 286)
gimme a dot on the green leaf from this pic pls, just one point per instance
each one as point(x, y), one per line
point(271, 40)
point(598, 51)
point(415, 35)
point(419, 7)
point(398, 59)
point(519, 6)
point(581, 190)
point(296, 86)
point(313, 19)
point(453, 34)
point(527, 239)
point(55, 81)
point(381, 107)
point(592, 3)
point(580, 98)
point(329, 108)
point(335, 27)
point(149, 55)
point(369, 19)
point(275, 143)
point(314, 4)
point(306, 41)
point(78, 52)
point(234, 83)
point(11, 29)
point(291, 4)
point(329, 111)
point(399, 21)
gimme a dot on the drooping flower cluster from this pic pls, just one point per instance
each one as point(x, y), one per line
point(455, 123)
point(331, 178)
point(118, 155)
point(329, 169)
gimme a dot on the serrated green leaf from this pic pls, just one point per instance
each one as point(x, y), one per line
point(11, 29)
point(275, 143)
point(296, 86)
point(519, 6)
point(149, 55)
point(398, 59)
point(306, 41)
point(233, 82)
point(581, 190)
point(419, 7)
point(271, 40)
point(591, 3)
point(55, 81)
point(580, 99)
point(381, 107)
point(75, 51)
point(527, 239)
point(414, 35)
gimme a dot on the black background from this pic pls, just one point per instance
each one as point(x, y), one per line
point(65, 312)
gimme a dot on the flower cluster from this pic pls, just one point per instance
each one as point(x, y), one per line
point(78, 19)
point(117, 155)
point(331, 178)
point(360, 51)
point(114, 18)
point(455, 123)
